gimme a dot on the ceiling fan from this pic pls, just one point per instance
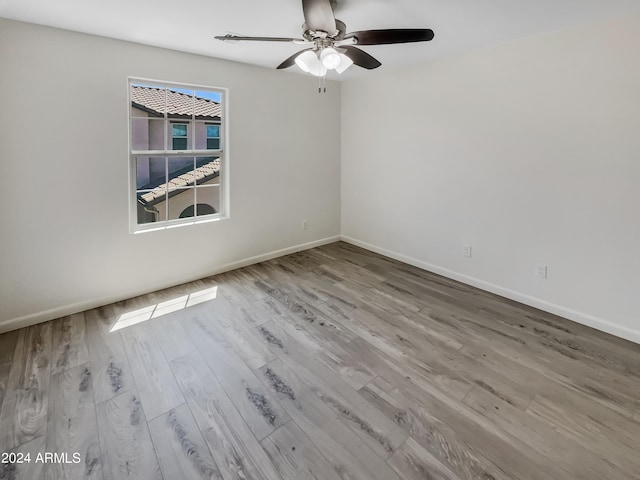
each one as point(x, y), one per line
point(331, 48)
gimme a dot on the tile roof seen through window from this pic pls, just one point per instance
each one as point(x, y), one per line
point(200, 175)
point(152, 100)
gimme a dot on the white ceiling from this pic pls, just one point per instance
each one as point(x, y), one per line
point(190, 25)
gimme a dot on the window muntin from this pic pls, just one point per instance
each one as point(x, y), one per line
point(176, 178)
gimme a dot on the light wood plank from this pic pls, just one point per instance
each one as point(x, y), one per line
point(547, 346)
point(5, 370)
point(441, 439)
point(375, 429)
point(336, 356)
point(8, 342)
point(305, 314)
point(260, 311)
point(295, 456)
point(171, 337)
point(542, 438)
point(412, 462)
point(69, 346)
point(437, 421)
point(568, 373)
point(235, 288)
point(34, 469)
point(236, 309)
point(110, 369)
point(235, 450)
point(612, 436)
point(182, 451)
point(429, 375)
point(346, 451)
point(124, 440)
point(277, 272)
point(156, 386)
point(23, 416)
point(257, 406)
point(227, 325)
point(72, 427)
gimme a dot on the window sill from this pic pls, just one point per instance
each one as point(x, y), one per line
point(176, 224)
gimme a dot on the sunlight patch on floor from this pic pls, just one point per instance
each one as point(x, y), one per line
point(163, 308)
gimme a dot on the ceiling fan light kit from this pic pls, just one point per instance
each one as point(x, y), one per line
point(318, 62)
point(330, 58)
point(331, 48)
point(345, 62)
point(309, 62)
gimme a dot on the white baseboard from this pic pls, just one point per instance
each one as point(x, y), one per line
point(46, 315)
point(578, 317)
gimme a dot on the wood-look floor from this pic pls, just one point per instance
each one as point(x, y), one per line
point(333, 363)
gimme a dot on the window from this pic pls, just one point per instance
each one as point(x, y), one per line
point(179, 136)
point(177, 158)
point(213, 137)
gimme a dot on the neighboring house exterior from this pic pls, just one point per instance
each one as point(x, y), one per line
point(165, 183)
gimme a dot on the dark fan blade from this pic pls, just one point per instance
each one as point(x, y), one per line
point(292, 59)
point(236, 38)
point(318, 15)
point(361, 58)
point(398, 35)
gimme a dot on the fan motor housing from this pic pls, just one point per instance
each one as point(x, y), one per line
point(314, 35)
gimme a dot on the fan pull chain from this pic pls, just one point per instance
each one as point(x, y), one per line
point(322, 84)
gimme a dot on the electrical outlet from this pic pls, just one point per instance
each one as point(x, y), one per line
point(305, 224)
point(541, 271)
point(466, 251)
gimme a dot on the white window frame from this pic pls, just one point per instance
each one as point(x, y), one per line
point(222, 153)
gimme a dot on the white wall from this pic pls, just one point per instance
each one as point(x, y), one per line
point(65, 243)
point(530, 152)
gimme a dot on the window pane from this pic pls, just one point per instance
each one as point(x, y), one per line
point(213, 137)
point(150, 205)
point(208, 198)
point(147, 134)
point(203, 133)
point(150, 172)
point(180, 136)
point(179, 201)
point(208, 170)
point(147, 100)
point(179, 144)
point(181, 172)
point(179, 130)
point(213, 97)
point(213, 130)
point(179, 101)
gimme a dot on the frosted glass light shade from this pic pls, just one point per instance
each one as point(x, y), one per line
point(330, 58)
point(309, 62)
point(345, 62)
